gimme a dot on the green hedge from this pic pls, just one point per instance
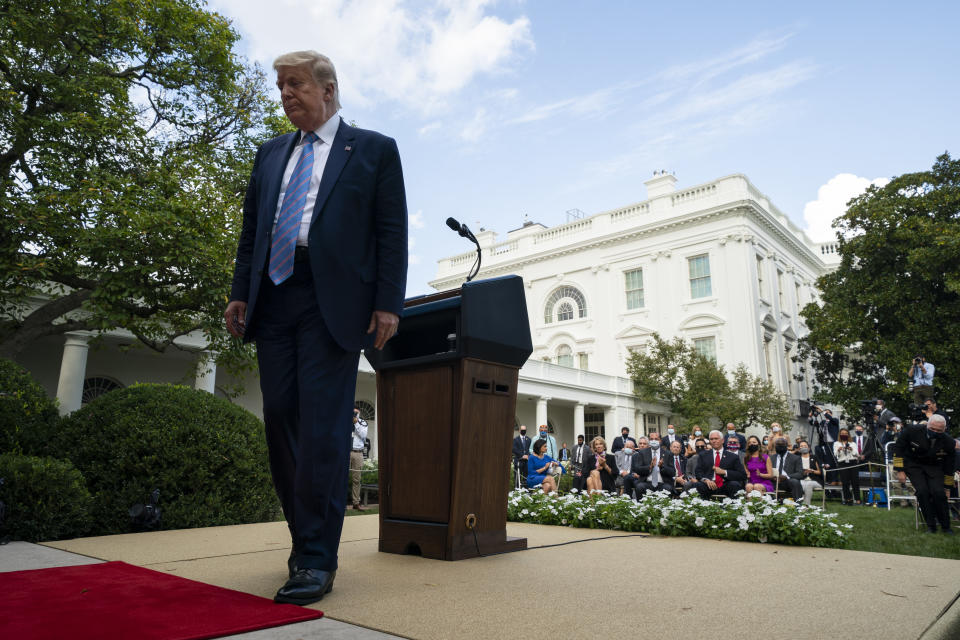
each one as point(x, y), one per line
point(46, 499)
point(26, 413)
point(207, 456)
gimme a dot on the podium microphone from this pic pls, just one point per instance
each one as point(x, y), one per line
point(465, 232)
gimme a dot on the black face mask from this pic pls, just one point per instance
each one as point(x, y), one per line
point(523, 433)
point(752, 448)
point(781, 449)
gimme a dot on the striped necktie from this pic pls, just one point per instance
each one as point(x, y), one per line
point(291, 211)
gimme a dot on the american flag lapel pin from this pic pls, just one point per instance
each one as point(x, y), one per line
point(347, 148)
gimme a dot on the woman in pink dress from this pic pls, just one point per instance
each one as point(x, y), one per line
point(758, 466)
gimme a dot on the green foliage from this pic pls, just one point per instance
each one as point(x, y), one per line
point(754, 519)
point(753, 400)
point(127, 132)
point(697, 389)
point(27, 414)
point(207, 456)
point(46, 499)
point(896, 293)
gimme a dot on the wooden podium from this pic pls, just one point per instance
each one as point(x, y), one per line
point(447, 397)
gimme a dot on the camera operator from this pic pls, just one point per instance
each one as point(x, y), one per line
point(826, 427)
point(921, 373)
point(927, 456)
point(930, 409)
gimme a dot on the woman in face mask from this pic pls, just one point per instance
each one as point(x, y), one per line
point(846, 456)
point(758, 466)
point(812, 474)
point(776, 431)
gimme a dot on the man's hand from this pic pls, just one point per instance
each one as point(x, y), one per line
point(235, 316)
point(385, 324)
point(525, 457)
point(710, 484)
point(720, 472)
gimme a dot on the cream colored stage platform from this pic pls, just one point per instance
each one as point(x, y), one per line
point(576, 583)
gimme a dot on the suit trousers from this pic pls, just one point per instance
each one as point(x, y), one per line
point(308, 383)
point(927, 481)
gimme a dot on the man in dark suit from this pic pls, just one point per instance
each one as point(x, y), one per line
point(740, 438)
point(652, 469)
point(718, 470)
point(787, 470)
point(520, 456)
point(620, 440)
point(671, 436)
point(579, 456)
point(320, 274)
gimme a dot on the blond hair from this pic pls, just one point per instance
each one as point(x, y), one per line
point(320, 65)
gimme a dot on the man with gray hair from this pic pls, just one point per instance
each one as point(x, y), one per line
point(927, 456)
point(320, 274)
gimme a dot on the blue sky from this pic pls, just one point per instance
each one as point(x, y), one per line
point(506, 109)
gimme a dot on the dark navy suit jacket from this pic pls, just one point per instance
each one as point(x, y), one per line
point(358, 234)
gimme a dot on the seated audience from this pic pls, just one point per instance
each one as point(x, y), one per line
point(681, 481)
point(600, 467)
point(787, 469)
point(540, 465)
point(652, 469)
point(757, 464)
point(718, 470)
point(624, 459)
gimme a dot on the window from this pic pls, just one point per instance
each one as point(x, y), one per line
point(582, 361)
point(763, 292)
point(700, 276)
point(796, 288)
point(367, 412)
point(563, 302)
point(565, 356)
point(95, 387)
point(707, 347)
point(653, 422)
point(634, 288)
point(591, 431)
point(780, 288)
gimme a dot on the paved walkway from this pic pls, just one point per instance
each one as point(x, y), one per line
point(549, 590)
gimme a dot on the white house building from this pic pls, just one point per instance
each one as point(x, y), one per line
point(716, 263)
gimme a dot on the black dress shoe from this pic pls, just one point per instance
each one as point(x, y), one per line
point(306, 587)
point(931, 530)
point(948, 532)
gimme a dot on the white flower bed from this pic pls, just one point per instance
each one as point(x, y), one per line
point(754, 518)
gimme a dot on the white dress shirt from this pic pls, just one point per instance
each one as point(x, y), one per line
point(321, 151)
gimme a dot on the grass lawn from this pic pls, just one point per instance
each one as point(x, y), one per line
point(876, 529)
point(370, 509)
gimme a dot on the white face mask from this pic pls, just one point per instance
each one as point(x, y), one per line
point(670, 431)
point(698, 433)
point(654, 444)
point(879, 407)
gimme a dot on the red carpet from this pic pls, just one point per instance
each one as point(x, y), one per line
point(115, 600)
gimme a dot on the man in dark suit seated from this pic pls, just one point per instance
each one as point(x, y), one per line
point(787, 470)
point(652, 469)
point(320, 274)
point(719, 471)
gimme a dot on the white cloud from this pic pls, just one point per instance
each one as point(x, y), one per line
point(416, 219)
point(427, 129)
point(387, 49)
point(831, 202)
point(473, 131)
point(412, 258)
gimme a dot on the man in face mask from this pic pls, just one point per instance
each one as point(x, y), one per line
point(863, 443)
point(927, 457)
point(671, 437)
point(579, 456)
point(624, 459)
point(884, 416)
point(521, 447)
point(652, 468)
point(732, 433)
point(551, 441)
point(788, 469)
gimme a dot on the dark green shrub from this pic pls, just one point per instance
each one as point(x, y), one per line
point(26, 412)
point(46, 499)
point(207, 456)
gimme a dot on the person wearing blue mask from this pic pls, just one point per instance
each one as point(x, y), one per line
point(550, 440)
point(926, 455)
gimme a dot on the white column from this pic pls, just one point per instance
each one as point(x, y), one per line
point(610, 427)
point(577, 420)
point(73, 370)
point(206, 377)
point(541, 413)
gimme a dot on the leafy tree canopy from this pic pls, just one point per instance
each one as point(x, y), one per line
point(697, 389)
point(127, 132)
point(896, 293)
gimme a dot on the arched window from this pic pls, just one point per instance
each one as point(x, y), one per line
point(95, 387)
point(367, 411)
point(565, 356)
point(565, 303)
